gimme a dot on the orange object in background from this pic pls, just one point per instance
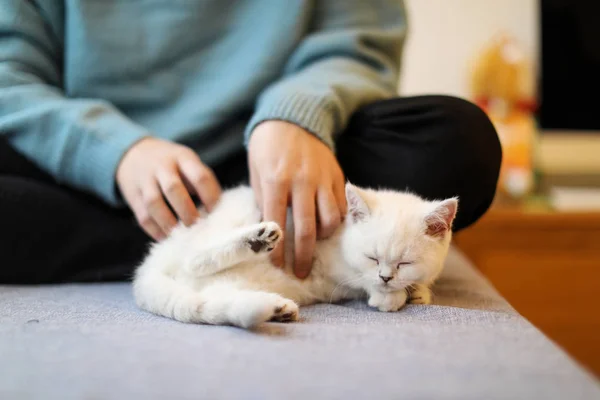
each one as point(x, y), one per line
point(502, 84)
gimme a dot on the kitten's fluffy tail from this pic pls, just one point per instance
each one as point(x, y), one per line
point(217, 304)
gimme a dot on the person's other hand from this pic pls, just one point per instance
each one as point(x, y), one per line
point(288, 164)
point(155, 170)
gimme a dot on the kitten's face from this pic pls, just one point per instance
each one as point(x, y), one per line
point(395, 239)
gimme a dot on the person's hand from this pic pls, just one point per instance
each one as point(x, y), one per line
point(155, 170)
point(288, 164)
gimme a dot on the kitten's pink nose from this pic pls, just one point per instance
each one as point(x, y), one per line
point(386, 279)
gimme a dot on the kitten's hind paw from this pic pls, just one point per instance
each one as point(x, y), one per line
point(287, 311)
point(254, 308)
point(264, 237)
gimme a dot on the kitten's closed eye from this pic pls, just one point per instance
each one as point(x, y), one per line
point(400, 264)
point(373, 259)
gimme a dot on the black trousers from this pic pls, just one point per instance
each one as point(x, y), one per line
point(435, 146)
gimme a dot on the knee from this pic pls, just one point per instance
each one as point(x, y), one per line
point(473, 150)
point(468, 128)
point(469, 134)
point(447, 145)
point(454, 123)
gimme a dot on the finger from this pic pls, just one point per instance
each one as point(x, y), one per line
point(177, 195)
point(144, 219)
point(256, 188)
point(305, 235)
point(328, 212)
point(156, 207)
point(275, 197)
point(339, 191)
point(202, 179)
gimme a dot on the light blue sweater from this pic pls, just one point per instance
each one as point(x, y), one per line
point(82, 80)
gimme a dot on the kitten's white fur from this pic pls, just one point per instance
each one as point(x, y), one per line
point(217, 271)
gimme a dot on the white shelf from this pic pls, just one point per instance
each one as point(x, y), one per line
point(569, 153)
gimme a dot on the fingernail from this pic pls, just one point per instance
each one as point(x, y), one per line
point(301, 274)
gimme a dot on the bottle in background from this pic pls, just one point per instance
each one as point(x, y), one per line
point(503, 85)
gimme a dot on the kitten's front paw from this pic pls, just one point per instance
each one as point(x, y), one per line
point(419, 294)
point(265, 237)
point(388, 302)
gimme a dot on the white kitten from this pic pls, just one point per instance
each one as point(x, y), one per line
point(390, 249)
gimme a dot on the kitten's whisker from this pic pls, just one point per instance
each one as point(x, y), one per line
point(343, 283)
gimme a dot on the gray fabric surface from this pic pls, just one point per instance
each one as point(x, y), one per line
point(90, 342)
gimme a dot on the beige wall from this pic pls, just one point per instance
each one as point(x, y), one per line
point(445, 34)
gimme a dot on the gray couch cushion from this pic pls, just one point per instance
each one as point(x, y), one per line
point(90, 342)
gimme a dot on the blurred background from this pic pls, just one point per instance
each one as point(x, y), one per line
point(534, 67)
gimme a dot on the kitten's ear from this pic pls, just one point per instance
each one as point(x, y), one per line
point(357, 208)
point(439, 221)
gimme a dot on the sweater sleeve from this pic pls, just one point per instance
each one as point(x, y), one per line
point(79, 142)
point(349, 58)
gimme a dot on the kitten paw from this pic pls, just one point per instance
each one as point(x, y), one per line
point(286, 311)
point(388, 302)
point(258, 307)
point(419, 294)
point(265, 237)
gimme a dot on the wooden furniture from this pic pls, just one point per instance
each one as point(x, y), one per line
point(547, 265)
